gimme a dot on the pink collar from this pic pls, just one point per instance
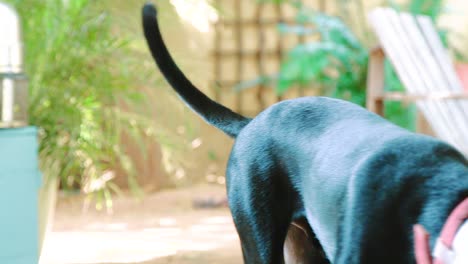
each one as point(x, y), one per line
point(442, 253)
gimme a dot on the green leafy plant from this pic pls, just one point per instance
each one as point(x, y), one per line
point(431, 8)
point(81, 95)
point(336, 62)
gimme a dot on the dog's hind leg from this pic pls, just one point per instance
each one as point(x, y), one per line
point(261, 205)
point(301, 245)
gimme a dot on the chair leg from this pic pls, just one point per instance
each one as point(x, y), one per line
point(375, 81)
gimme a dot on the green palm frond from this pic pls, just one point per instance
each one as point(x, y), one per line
point(82, 96)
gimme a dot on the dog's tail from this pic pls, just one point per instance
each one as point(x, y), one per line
point(215, 114)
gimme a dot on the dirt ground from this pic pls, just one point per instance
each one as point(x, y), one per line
point(164, 227)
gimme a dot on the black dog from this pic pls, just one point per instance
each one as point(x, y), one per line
point(360, 182)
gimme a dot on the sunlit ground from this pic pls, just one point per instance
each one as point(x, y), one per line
point(164, 228)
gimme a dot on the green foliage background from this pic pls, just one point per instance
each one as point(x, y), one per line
point(83, 96)
point(336, 63)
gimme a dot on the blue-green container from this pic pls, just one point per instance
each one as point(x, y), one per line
point(19, 185)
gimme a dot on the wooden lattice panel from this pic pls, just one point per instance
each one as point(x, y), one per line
point(247, 44)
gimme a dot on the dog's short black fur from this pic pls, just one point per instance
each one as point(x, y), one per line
point(360, 181)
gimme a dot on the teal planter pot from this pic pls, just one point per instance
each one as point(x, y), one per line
point(19, 184)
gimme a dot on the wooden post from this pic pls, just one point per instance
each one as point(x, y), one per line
point(422, 126)
point(217, 62)
point(239, 46)
point(279, 45)
point(375, 81)
point(260, 54)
